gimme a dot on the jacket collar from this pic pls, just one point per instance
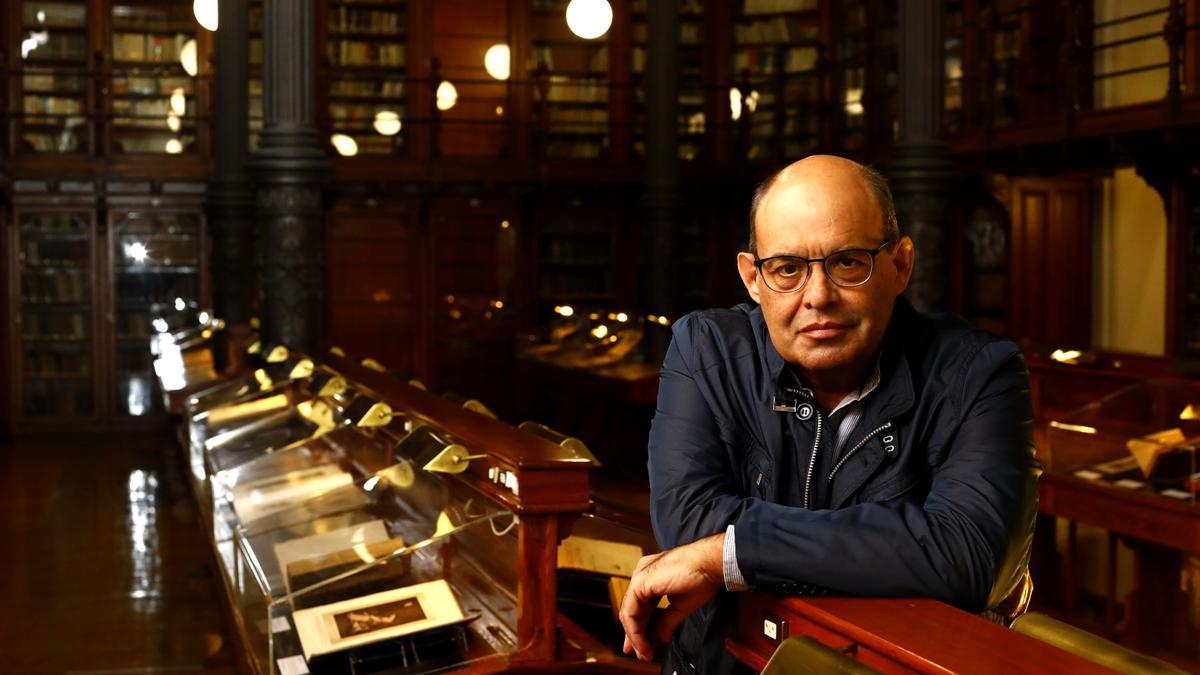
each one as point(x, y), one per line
point(894, 395)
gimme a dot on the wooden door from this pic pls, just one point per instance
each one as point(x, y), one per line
point(1050, 261)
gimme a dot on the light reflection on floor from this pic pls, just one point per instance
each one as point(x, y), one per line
point(143, 541)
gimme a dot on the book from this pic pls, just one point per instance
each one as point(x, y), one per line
point(372, 618)
point(368, 567)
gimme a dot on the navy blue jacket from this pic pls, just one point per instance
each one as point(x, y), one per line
point(932, 495)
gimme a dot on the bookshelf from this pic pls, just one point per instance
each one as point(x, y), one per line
point(254, 57)
point(366, 49)
point(571, 86)
point(575, 258)
point(55, 333)
point(1006, 61)
point(152, 97)
point(774, 64)
point(157, 257)
point(952, 39)
point(691, 78)
point(54, 78)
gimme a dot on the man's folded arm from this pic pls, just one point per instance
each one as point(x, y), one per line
point(694, 492)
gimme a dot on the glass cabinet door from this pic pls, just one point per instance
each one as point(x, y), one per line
point(54, 77)
point(156, 259)
point(154, 62)
point(54, 257)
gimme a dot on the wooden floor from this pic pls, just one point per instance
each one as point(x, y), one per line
point(103, 565)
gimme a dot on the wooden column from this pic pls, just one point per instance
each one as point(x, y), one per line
point(291, 168)
point(231, 198)
point(921, 174)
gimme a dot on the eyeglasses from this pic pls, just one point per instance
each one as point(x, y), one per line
point(846, 268)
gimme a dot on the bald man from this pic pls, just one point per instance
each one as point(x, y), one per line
point(829, 439)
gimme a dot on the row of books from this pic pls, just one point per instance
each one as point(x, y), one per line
point(151, 288)
point(34, 81)
point(54, 288)
point(597, 62)
point(148, 47)
point(362, 114)
point(144, 144)
point(583, 119)
point(575, 90)
point(357, 53)
point(367, 21)
point(776, 29)
point(65, 140)
point(765, 61)
point(368, 88)
point(773, 6)
point(689, 33)
point(60, 364)
point(40, 14)
point(55, 326)
point(60, 47)
point(143, 84)
point(52, 105)
point(134, 361)
point(65, 252)
point(58, 397)
point(153, 107)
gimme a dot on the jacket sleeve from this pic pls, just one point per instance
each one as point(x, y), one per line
point(947, 547)
point(693, 486)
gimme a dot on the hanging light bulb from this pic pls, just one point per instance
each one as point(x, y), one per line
point(589, 19)
point(174, 147)
point(498, 61)
point(187, 57)
point(178, 101)
point(345, 146)
point(735, 103)
point(206, 13)
point(447, 96)
point(173, 122)
point(387, 122)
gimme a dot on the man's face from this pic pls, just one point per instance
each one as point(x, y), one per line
point(823, 328)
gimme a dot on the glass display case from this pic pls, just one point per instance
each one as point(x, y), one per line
point(1143, 438)
point(414, 535)
point(157, 256)
point(55, 322)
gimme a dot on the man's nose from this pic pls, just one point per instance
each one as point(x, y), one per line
point(819, 291)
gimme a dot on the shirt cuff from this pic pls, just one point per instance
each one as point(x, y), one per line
point(734, 581)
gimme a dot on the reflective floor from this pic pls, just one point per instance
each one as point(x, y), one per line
point(103, 565)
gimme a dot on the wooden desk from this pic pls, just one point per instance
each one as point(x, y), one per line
point(897, 636)
point(1159, 530)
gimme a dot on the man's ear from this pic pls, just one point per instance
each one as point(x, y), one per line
point(904, 256)
point(749, 274)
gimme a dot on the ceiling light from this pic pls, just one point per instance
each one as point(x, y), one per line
point(498, 61)
point(345, 146)
point(589, 19)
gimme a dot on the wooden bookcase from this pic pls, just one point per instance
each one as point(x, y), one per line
point(83, 280)
point(365, 45)
point(572, 90)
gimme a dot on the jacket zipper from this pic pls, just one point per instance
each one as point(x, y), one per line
point(812, 460)
point(857, 447)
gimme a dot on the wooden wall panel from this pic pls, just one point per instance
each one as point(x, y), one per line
point(1050, 261)
point(374, 285)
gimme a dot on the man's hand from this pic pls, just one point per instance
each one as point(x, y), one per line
point(689, 576)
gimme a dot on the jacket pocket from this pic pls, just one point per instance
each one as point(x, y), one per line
point(756, 472)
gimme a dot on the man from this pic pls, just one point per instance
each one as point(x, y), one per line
point(831, 439)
